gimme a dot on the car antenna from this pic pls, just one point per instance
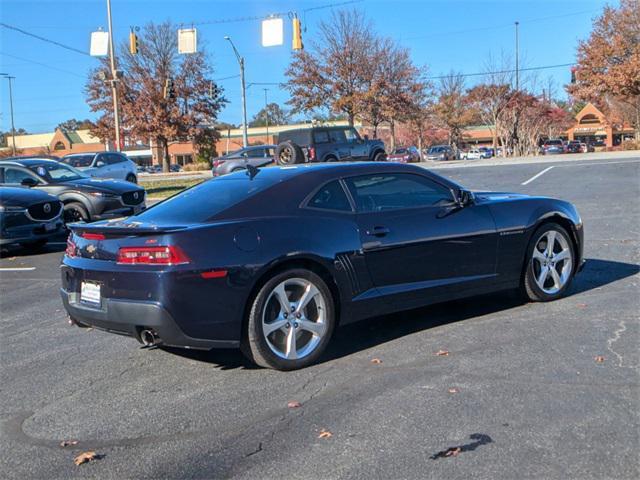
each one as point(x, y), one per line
point(252, 171)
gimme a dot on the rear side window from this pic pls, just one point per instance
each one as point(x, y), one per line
point(200, 203)
point(331, 197)
point(391, 191)
point(113, 158)
point(301, 137)
point(79, 160)
point(321, 136)
point(337, 136)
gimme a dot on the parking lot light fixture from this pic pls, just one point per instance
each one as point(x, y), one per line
point(13, 128)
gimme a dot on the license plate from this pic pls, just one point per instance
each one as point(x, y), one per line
point(90, 293)
point(49, 227)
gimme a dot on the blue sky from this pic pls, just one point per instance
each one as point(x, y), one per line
point(443, 35)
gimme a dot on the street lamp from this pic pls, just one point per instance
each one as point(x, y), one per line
point(13, 128)
point(245, 142)
point(114, 78)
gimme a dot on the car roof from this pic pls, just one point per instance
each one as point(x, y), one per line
point(85, 153)
point(28, 162)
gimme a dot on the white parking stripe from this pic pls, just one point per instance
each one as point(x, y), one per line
point(20, 269)
point(536, 176)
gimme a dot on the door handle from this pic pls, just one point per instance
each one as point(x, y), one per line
point(378, 231)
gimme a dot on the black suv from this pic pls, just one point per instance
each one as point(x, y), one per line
point(326, 144)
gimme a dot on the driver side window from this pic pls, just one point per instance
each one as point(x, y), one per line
point(352, 135)
point(15, 176)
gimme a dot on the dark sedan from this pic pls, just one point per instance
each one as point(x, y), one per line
point(273, 261)
point(257, 156)
point(28, 217)
point(85, 199)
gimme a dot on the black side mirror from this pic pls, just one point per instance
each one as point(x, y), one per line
point(29, 182)
point(465, 198)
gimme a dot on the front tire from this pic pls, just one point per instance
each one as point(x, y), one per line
point(75, 212)
point(550, 264)
point(290, 322)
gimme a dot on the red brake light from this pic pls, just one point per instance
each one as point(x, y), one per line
point(312, 153)
point(93, 236)
point(71, 248)
point(166, 255)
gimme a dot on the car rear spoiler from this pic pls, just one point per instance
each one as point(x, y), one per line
point(130, 229)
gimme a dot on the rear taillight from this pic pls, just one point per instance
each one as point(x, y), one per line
point(217, 163)
point(312, 153)
point(164, 255)
point(71, 248)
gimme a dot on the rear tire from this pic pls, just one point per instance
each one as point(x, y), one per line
point(75, 212)
point(298, 335)
point(550, 264)
point(288, 153)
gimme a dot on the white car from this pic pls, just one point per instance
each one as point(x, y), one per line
point(112, 165)
point(473, 154)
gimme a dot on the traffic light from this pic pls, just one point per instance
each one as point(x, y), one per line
point(297, 34)
point(169, 91)
point(573, 74)
point(133, 43)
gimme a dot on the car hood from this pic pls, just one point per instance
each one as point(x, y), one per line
point(18, 196)
point(103, 185)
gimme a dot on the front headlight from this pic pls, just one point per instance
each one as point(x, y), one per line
point(12, 209)
point(102, 195)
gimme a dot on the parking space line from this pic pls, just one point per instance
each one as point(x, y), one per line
point(16, 269)
point(536, 176)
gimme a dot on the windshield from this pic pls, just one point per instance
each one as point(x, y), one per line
point(54, 172)
point(435, 149)
point(79, 160)
point(554, 142)
point(400, 151)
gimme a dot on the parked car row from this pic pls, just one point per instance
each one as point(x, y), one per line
point(38, 196)
point(558, 146)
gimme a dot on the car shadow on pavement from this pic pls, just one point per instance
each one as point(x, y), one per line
point(9, 251)
point(374, 331)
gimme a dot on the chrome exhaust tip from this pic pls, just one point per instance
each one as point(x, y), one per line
point(148, 338)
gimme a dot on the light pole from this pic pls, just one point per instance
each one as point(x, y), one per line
point(114, 79)
point(517, 66)
point(13, 128)
point(266, 111)
point(245, 142)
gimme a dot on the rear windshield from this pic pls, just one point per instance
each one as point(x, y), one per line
point(200, 203)
point(78, 160)
point(400, 151)
point(436, 149)
point(554, 142)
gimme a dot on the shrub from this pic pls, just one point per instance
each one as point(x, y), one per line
point(196, 166)
point(630, 145)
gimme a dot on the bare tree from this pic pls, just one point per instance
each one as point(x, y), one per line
point(452, 108)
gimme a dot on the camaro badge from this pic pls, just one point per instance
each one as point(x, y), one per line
point(91, 248)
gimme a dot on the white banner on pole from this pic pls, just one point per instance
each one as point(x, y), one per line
point(272, 32)
point(99, 44)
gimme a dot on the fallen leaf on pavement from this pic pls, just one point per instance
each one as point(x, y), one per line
point(453, 452)
point(442, 353)
point(453, 390)
point(325, 434)
point(294, 404)
point(85, 457)
point(68, 443)
point(376, 360)
point(599, 359)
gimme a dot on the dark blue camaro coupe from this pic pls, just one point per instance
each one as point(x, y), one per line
point(273, 260)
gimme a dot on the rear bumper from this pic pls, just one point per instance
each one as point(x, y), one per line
point(127, 317)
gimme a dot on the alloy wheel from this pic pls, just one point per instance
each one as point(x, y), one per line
point(552, 262)
point(294, 320)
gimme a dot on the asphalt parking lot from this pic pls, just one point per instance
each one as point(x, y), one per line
point(520, 392)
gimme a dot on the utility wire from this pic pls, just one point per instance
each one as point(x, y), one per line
point(265, 17)
point(478, 74)
point(42, 65)
point(53, 42)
